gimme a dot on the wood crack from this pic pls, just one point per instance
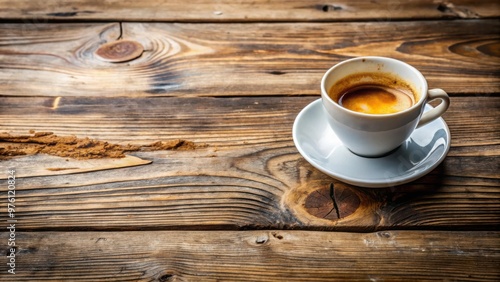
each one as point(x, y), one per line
point(120, 36)
point(335, 207)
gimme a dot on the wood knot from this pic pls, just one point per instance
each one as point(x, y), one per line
point(332, 202)
point(170, 277)
point(120, 51)
point(329, 7)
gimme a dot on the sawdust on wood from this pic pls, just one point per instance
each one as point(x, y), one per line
point(178, 144)
point(78, 148)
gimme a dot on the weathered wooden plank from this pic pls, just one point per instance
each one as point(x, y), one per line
point(265, 189)
point(274, 255)
point(248, 175)
point(186, 191)
point(238, 59)
point(222, 123)
point(248, 11)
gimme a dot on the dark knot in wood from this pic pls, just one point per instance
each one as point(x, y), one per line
point(120, 51)
point(330, 7)
point(170, 276)
point(331, 203)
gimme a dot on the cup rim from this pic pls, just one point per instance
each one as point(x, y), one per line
point(418, 104)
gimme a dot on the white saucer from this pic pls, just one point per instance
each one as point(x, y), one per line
point(317, 143)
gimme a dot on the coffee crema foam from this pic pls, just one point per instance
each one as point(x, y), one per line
point(376, 99)
point(373, 93)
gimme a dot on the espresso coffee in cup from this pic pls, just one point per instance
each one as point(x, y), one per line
point(373, 93)
point(373, 104)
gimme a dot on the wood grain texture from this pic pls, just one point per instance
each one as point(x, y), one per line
point(250, 175)
point(273, 255)
point(45, 165)
point(233, 75)
point(247, 11)
point(263, 59)
point(222, 123)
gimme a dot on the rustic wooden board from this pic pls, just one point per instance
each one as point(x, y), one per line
point(185, 191)
point(248, 11)
point(238, 59)
point(249, 174)
point(231, 77)
point(273, 255)
point(222, 123)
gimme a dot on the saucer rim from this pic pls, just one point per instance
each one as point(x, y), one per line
point(400, 179)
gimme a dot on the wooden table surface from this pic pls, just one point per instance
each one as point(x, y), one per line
point(152, 141)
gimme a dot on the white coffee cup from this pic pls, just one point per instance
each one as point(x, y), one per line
point(373, 135)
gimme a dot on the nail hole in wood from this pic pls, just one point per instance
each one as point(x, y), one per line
point(277, 236)
point(330, 7)
point(277, 72)
point(261, 240)
point(385, 234)
point(443, 7)
point(166, 278)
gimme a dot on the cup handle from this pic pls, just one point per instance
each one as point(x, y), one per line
point(433, 114)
